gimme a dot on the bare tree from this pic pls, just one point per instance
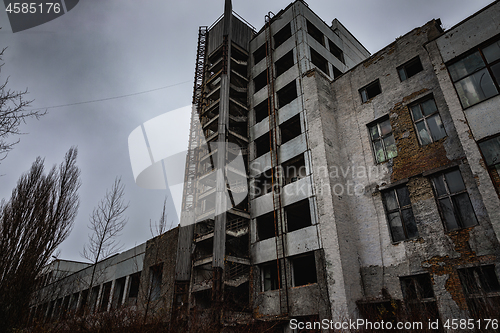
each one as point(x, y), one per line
point(106, 223)
point(36, 219)
point(13, 112)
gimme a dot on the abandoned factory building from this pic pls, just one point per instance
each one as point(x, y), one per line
point(324, 182)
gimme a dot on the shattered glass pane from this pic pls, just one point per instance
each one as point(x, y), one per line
point(475, 88)
point(390, 147)
point(466, 66)
point(385, 127)
point(379, 151)
point(436, 127)
point(425, 138)
point(374, 132)
point(454, 181)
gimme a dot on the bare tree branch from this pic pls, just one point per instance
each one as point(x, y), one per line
point(36, 219)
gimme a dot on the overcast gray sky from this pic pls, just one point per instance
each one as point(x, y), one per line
point(108, 48)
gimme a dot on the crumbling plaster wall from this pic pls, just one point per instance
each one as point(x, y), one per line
point(360, 218)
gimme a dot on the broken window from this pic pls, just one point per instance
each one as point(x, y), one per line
point(315, 33)
point(298, 215)
point(491, 153)
point(265, 226)
point(454, 203)
point(259, 54)
point(320, 62)
point(262, 145)
point(336, 51)
point(369, 91)
point(473, 74)
point(400, 214)
point(304, 270)
point(336, 72)
point(270, 277)
point(93, 298)
point(261, 111)
point(155, 273)
point(281, 36)
point(481, 289)
point(263, 183)
point(290, 129)
point(118, 293)
point(260, 81)
point(287, 94)
point(106, 292)
point(294, 169)
point(410, 68)
point(284, 63)
point(419, 298)
point(427, 121)
point(135, 280)
point(383, 142)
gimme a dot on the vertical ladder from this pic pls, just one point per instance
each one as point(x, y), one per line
point(276, 178)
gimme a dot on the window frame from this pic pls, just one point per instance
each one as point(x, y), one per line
point(271, 267)
point(399, 210)
point(381, 139)
point(363, 92)
point(448, 195)
point(424, 119)
point(407, 64)
point(493, 168)
point(486, 65)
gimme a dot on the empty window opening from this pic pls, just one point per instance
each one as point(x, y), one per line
point(315, 33)
point(265, 226)
point(320, 62)
point(270, 278)
point(290, 129)
point(106, 292)
point(491, 154)
point(155, 273)
point(135, 280)
point(410, 68)
point(400, 214)
point(454, 202)
point(298, 215)
point(65, 306)
point(94, 299)
point(419, 296)
point(384, 145)
point(259, 54)
point(262, 145)
point(369, 91)
point(427, 121)
point(203, 299)
point(51, 310)
point(336, 72)
point(481, 289)
point(284, 63)
point(83, 303)
point(294, 169)
point(336, 51)
point(287, 94)
point(118, 293)
point(281, 36)
point(261, 111)
point(304, 270)
point(263, 183)
point(260, 81)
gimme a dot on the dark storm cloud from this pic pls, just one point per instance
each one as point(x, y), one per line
point(102, 49)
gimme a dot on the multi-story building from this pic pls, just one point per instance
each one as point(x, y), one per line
point(373, 180)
